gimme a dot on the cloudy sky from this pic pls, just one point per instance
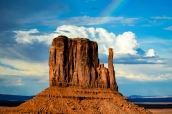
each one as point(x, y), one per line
point(139, 31)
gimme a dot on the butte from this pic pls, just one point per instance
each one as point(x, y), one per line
point(79, 83)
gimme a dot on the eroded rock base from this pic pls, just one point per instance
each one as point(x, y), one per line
point(74, 100)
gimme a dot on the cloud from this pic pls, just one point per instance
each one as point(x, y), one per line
point(150, 53)
point(23, 85)
point(13, 52)
point(130, 59)
point(48, 13)
point(152, 73)
point(143, 77)
point(162, 17)
point(7, 38)
point(23, 51)
point(22, 68)
point(28, 37)
point(24, 13)
point(87, 20)
point(11, 82)
point(168, 28)
point(168, 62)
point(129, 21)
point(170, 50)
point(125, 45)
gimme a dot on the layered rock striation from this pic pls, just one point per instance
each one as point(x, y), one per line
point(75, 62)
point(74, 100)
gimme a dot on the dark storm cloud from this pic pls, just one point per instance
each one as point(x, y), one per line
point(16, 14)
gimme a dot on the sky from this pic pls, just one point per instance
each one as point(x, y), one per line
point(139, 31)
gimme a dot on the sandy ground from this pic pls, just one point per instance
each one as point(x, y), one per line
point(161, 111)
point(154, 111)
point(4, 107)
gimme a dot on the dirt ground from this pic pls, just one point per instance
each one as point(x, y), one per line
point(161, 111)
point(4, 107)
point(154, 111)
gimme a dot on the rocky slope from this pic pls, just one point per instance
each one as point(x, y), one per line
point(76, 100)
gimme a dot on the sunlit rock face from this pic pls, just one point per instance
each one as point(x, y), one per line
point(75, 62)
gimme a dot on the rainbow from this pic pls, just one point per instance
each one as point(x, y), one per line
point(113, 7)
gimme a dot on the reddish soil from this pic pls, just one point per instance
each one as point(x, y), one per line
point(161, 111)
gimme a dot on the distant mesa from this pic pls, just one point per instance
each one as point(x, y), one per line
point(75, 62)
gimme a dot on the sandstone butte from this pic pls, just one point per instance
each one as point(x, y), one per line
point(79, 84)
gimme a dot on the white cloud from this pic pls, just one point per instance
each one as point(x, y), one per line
point(26, 36)
point(151, 53)
point(162, 17)
point(143, 77)
point(87, 20)
point(23, 68)
point(168, 28)
point(12, 82)
point(129, 21)
point(23, 36)
point(14, 51)
point(143, 72)
point(125, 43)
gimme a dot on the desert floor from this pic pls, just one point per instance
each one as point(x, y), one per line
point(4, 107)
point(154, 111)
point(161, 111)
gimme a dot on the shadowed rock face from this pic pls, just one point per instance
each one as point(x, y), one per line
point(74, 62)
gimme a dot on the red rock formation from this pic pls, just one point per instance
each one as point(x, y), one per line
point(74, 62)
point(113, 84)
point(74, 100)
